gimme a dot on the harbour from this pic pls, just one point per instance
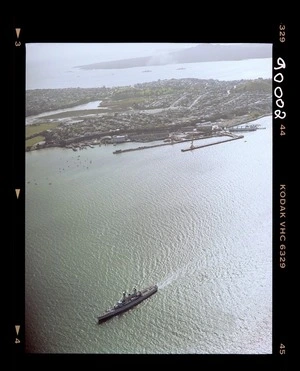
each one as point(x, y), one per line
point(192, 147)
point(195, 224)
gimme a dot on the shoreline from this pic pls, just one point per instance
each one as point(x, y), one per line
point(30, 120)
point(96, 141)
point(147, 112)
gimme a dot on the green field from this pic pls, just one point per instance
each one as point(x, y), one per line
point(33, 141)
point(36, 129)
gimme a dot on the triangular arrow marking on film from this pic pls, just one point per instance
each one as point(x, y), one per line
point(18, 30)
point(18, 192)
point(17, 329)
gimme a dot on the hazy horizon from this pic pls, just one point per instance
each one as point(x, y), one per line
point(49, 62)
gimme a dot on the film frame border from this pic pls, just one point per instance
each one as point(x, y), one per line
point(277, 33)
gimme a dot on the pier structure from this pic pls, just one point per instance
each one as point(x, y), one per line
point(191, 148)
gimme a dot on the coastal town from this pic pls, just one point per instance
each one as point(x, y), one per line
point(170, 111)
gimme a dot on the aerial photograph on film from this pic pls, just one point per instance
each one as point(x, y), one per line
point(148, 198)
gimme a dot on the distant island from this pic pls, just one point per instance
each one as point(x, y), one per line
point(198, 53)
point(167, 110)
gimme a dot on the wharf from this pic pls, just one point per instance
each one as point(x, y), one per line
point(233, 137)
point(147, 147)
point(212, 144)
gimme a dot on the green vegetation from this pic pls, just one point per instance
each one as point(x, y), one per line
point(146, 110)
point(124, 103)
point(32, 130)
point(43, 100)
point(31, 142)
point(255, 86)
point(74, 113)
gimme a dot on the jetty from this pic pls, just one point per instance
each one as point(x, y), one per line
point(147, 147)
point(192, 147)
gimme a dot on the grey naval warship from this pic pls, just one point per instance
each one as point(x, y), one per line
point(128, 301)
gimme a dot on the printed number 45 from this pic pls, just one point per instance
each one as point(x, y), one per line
point(282, 349)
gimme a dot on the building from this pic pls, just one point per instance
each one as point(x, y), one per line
point(188, 128)
point(119, 138)
point(205, 127)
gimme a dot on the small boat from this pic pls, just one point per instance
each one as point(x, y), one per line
point(128, 301)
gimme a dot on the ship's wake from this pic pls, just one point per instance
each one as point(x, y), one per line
point(190, 270)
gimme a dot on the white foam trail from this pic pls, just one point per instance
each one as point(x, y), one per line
point(187, 270)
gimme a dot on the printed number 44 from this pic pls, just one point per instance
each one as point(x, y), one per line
point(282, 130)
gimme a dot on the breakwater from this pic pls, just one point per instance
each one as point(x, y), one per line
point(192, 147)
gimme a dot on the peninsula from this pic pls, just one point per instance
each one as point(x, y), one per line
point(167, 110)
